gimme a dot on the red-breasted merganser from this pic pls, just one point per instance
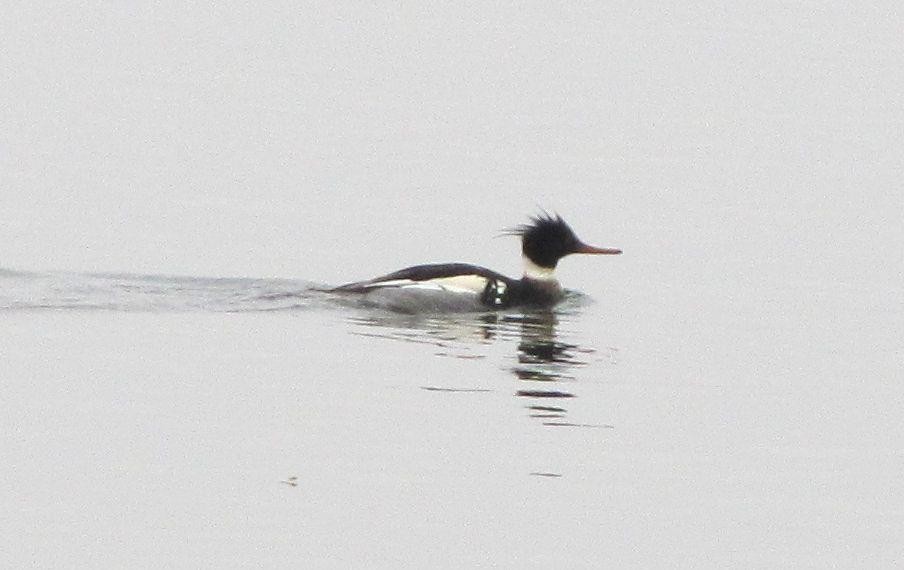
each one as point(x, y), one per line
point(461, 286)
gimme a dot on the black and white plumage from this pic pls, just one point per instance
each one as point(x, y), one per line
point(447, 287)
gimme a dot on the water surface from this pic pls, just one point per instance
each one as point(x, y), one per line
point(144, 412)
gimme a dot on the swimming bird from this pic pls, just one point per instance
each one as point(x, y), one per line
point(464, 287)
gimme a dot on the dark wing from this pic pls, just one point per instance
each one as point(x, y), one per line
point(420, 273)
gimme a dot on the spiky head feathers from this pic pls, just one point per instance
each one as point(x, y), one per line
point(546, 239)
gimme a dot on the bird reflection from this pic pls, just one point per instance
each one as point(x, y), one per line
point(543, 362)
point(543, 358)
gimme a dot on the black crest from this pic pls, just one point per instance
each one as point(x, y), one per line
point(546, 239)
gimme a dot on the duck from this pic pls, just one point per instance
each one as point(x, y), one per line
point(545, 240)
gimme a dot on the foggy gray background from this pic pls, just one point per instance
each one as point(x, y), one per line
point(292, 140)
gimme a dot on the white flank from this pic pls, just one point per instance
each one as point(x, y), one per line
point(460, 284)
point(534, 271)
point(393, 283)
point(474, 284)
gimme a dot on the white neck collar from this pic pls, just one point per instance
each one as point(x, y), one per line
point(534, 271)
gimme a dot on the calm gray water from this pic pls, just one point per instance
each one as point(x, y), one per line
point(255, 421)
